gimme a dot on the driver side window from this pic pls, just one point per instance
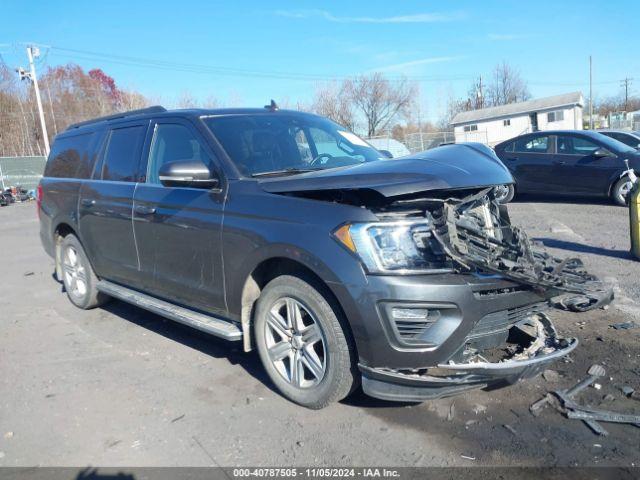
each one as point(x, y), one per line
point(570, 145)
point(327, 144)
point(172, 143)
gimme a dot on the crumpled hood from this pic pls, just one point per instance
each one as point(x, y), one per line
point(449, 167)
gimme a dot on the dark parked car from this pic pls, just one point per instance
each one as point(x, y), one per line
point(571, 162)
point(288, 233)
point(629, 138)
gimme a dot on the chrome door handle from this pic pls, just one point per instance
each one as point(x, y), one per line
point(88, 202)
point(144, 210)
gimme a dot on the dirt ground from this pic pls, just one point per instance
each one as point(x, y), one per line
point(122, 387)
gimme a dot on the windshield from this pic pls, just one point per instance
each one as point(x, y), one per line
point(287, 143)
point(615, 145)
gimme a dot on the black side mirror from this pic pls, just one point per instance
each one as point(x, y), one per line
point(193, 174)
point(386, 153)
point(602, 152)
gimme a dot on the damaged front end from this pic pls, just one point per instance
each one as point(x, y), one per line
point(476, 234)
point(531, 345)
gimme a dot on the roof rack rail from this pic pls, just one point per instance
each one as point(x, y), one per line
point(130, 113)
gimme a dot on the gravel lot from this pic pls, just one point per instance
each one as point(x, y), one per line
point(121, 387)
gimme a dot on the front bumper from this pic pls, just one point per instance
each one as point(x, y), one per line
point(539, 346)
point(471, 306)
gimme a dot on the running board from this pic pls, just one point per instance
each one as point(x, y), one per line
point(206, 323)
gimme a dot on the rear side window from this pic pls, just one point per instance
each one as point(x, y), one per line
point(71, 157)
point(532, 145)
point(122, 154)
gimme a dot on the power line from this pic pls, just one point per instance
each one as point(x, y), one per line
point(78, 54)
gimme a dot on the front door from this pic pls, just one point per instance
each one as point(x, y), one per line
point(178, 229)
point(582, 172)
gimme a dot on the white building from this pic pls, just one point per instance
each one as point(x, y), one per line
point(496, 124)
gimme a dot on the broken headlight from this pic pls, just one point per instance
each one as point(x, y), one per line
point(394, 247)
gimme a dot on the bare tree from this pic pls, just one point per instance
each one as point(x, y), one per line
point(476, 96)
point(187, 100)
point(507, 86)
point(332, 100)
point(379, 101)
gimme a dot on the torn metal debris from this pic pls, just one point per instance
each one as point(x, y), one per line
point(625, 325)
point(563, 401)
point(477, 234)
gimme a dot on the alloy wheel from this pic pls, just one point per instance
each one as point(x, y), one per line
point(501, 192)
point(623, 191)
point(295, 343)
point(74, 273)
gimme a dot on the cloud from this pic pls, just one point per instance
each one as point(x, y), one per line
point(415, 63)
point(412, 18)
point(505, 37)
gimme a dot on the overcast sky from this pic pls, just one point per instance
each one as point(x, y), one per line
point(247, 52)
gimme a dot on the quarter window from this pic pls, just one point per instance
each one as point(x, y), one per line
point(122, 154)
point(173, 143)
point(71, 157)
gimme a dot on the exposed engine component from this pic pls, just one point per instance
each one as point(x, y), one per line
point(477, 234)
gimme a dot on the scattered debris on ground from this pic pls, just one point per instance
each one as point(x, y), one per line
point(563, 401)
point(625, 325)
point(452, 412)
point(510, 428)
point(551, 375)
point(477, 409)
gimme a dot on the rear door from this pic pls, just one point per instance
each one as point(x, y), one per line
point(529, 160)
point(106, 203)
point(579, 170)
point(178, 229)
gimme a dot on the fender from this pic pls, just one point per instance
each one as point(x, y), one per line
point(235, 282)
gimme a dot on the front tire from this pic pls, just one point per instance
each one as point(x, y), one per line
point(302, 343)
point(80, 281)
point(620, 191)
point(504, 193)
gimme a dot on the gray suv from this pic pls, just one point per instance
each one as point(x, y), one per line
point(286, 232)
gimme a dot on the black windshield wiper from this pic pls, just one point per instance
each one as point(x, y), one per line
point(285, 171)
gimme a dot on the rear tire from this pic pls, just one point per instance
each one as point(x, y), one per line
point(79, 279)
point(620, 191)
point(302, 344)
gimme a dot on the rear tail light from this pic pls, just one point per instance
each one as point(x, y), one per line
point(39, 198)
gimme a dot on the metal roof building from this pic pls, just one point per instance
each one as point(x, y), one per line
point(496, 124)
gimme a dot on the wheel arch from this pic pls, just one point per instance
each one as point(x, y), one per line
point(61, 230)
point(271, 268)
point(616, 178)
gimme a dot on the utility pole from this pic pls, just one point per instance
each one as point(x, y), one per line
point(480, 93)
point(34, 52)
point(625, 83)
point(590, 94)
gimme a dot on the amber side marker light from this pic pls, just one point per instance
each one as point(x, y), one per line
point(344, 236)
